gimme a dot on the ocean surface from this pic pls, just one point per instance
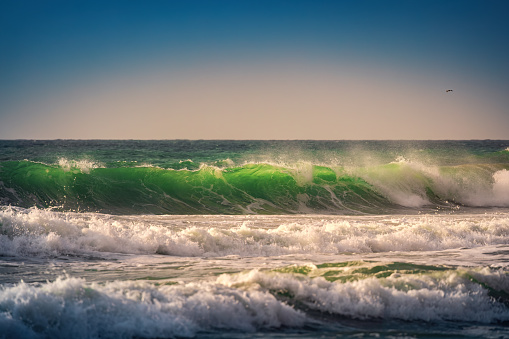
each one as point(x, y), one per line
point(254, 239)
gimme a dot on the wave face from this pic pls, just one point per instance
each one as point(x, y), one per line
point(254, 188)
point(210, 177)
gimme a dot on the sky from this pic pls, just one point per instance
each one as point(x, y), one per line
point(254, 69)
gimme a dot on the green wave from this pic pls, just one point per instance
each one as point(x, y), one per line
point(252, 188)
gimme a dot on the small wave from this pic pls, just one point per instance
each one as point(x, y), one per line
point(410, 297)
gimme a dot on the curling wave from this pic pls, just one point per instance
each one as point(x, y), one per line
point(259, 188)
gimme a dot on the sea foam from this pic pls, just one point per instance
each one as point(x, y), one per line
point(246, 302)
point(71, 308)
point(36, 232)
point(83, 165)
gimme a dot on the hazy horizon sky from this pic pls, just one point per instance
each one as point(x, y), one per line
point(254, 69)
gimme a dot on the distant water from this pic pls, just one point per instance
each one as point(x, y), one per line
point(254, 239)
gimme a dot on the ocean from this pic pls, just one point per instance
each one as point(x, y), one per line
point(254, 239)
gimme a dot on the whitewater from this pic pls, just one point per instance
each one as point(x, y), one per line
point(250, 239)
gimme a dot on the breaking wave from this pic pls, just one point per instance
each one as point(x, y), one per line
point(254, 188)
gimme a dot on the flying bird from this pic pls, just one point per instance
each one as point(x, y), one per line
point(448, 90)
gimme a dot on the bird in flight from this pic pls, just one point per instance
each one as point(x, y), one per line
point(448, 90)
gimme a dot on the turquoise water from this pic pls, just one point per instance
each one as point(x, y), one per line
point(252, 239)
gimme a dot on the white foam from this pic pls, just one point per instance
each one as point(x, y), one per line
point(84, 165)
point(448, 296)
point(404, 184)
point(35, 232)
point(71, 308)
point(408, 183)
point(482, 190)
point(501, 188)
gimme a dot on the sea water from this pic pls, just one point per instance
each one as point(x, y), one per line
point(254, 239)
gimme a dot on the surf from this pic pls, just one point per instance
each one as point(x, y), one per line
point(41, 233)
point(259, 300)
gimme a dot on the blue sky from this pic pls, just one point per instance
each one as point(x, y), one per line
point(254, 69)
